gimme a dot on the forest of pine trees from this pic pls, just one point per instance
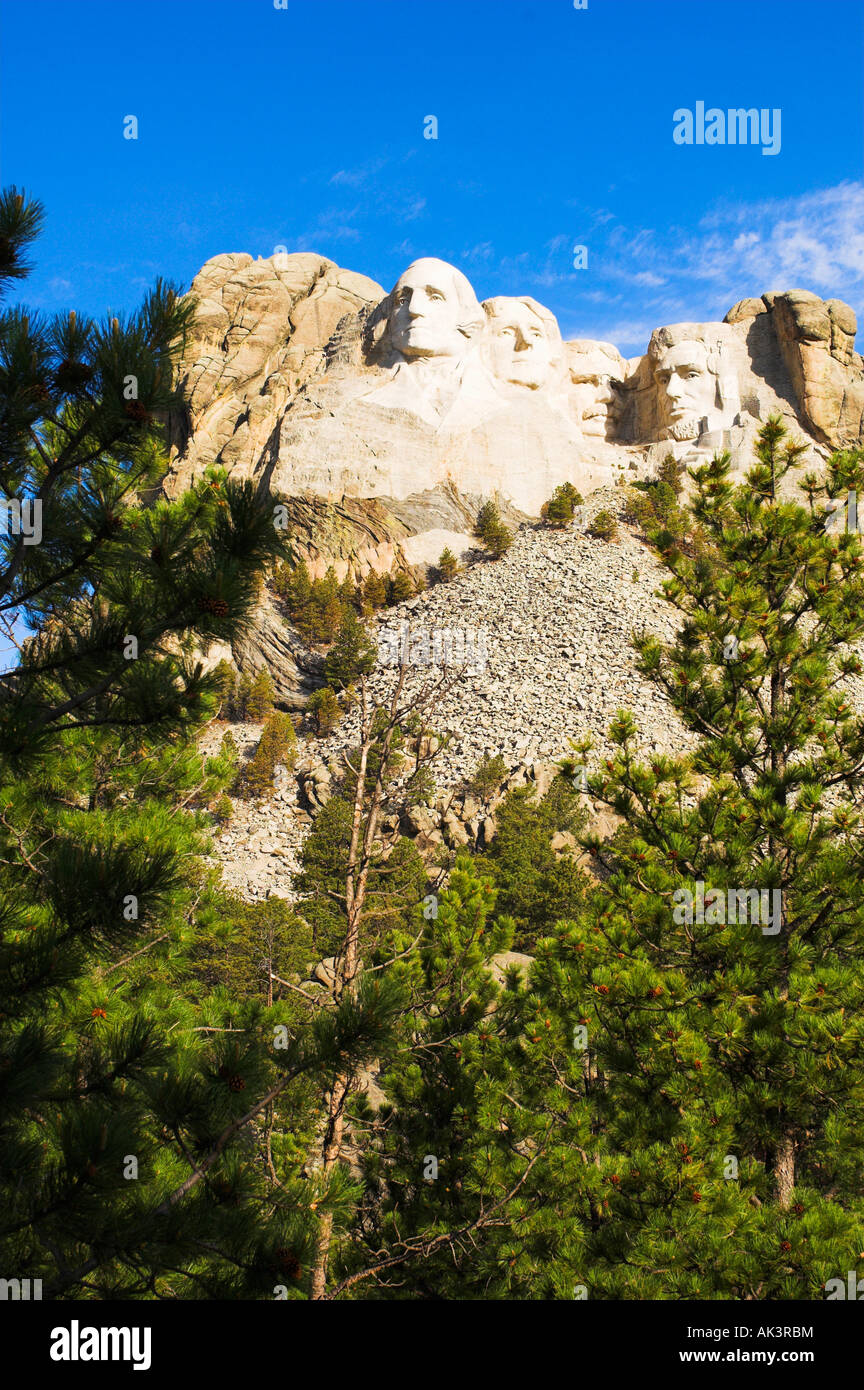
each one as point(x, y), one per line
point(667, 1104)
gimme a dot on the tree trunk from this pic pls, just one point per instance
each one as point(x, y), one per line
point(369, 797)
point(784, 1170)
point(331, 1153)
point(356, 879)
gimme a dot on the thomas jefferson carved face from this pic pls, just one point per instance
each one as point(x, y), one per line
point(523, 345)
point(433, 311)
point(687, 384)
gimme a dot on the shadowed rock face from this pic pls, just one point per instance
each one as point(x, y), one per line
point(389, 417)
point(817, 340)
point(261, 331)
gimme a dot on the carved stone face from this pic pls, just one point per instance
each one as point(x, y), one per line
point(602, 408)
point(596, 405)
point(688, 388)
point(596, 373)
point(518, 347)
point(431, 310)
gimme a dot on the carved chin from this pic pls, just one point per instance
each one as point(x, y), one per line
point(421, 349)
point(688, 428)
point(530, 383)
point(419, 344)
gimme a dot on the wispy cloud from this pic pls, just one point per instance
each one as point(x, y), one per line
point(360, 177)
point(637, 277)
point(818, 237)
point(813, 241)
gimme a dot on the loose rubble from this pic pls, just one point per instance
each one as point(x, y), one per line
point(552, 622)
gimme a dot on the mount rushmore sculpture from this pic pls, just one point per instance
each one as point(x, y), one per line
point(388, 418)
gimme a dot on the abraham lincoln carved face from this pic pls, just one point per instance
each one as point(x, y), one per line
point(686, 379)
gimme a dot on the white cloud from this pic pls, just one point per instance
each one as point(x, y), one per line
point(813, 241)
point(359, 177)
point(649, 278)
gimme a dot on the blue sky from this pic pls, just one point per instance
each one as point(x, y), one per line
point(303, 127)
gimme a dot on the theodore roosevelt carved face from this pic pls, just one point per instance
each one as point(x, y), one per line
point(597, 371)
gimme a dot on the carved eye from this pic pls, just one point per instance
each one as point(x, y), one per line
point(434, 295)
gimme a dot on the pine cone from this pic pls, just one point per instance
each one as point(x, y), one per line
point(288, 1263)
point(217, 606)
point(71, 377)
point(136, 411)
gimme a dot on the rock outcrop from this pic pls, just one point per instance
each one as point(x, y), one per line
point(261, 330)
point(396, 413)
point(385, 420)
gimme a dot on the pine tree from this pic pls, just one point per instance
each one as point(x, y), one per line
point(490, 529)
point(560, 508)
point(225, 677)
point(475, 1178)
point(352, 655)
point(375, 590)
point(277, 747)
point(259, 703)
point(537, 886)
point(604, 526)
point(327, 607)
point(124, 1115)
point(487, 777)
point(294, 585)
point(400, 588)
point(242, 696)
point(719, 973)
point(448, 565)
point(325, 709)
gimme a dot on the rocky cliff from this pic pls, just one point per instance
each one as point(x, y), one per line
point(384, 420)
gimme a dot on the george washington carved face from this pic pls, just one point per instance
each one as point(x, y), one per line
point(433, 311)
